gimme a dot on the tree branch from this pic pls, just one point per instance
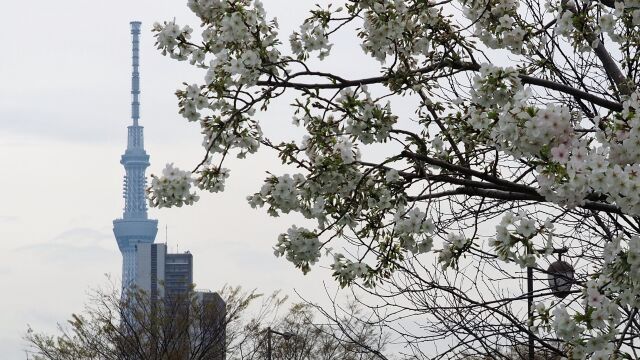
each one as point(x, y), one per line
point(526, 79)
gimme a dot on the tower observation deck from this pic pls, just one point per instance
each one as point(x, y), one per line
point(134, 227)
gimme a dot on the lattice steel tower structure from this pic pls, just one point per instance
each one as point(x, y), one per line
point(134, 227)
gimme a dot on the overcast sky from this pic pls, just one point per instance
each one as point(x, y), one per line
point(64, 107)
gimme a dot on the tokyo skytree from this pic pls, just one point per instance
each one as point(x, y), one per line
point(134, 227)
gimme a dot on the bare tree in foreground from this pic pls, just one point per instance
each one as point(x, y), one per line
point(192, 329)
point(306, 332)
point(134, 327)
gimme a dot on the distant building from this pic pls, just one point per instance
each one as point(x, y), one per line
point(178, 275)
point(151, 269)
point(161, 274)
point(213, 317)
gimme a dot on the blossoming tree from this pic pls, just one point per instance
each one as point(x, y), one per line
point(525, 138)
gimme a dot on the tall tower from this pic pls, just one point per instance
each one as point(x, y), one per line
point(134, 227)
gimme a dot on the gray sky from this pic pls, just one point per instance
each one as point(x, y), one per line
point(64, 108)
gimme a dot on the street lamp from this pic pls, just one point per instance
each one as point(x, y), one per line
point(286, 335)
point(560, 276)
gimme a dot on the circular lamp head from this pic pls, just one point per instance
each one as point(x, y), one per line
point(561, 277)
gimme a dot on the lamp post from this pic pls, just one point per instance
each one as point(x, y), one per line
point(560, 276)
point(286, 335)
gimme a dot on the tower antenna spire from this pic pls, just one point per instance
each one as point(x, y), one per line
point(135, 74)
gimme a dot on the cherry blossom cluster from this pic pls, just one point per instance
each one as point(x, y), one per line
point(393, 27)
point(235, 32)
point(514, 239)
point(494, 86)
point(588, 333)
point(622, 134)
point(594, 20)
point(336, 194)
point(500, 110)
point(226, 127)
point(366, 119)
point(212, 178)
point(280, 193)
point(493, 89)
point(579, 27)
point(172, 188)
point(575, 167)
point(564, 24)
point(607, 24)
point(167, 38)
point(526, 130)
point(622, 273)
point(240, 41)
point(611, 169)
point(496, 23)
point(414, 230)
point(347, 270)
point(309, 194)
point(300, 246)
point(454, 247)
point(193, 102)
point(312, 36)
